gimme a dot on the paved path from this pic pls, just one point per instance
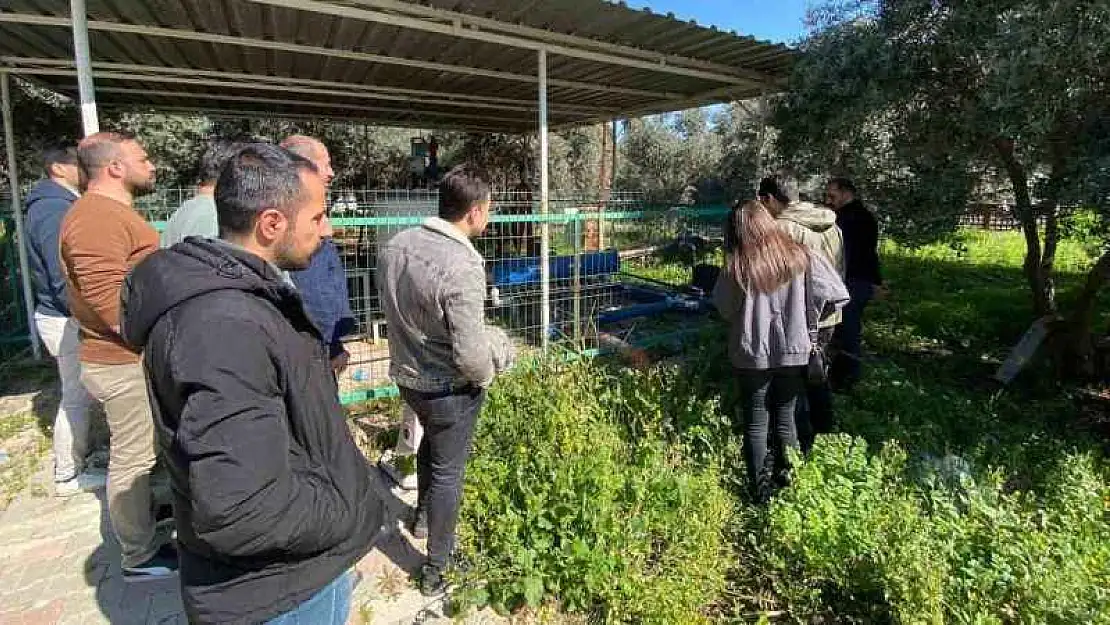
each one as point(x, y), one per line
point(59, 564)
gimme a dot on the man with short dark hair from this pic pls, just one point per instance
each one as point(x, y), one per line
point(323, 284)
point(101, 238)
point(274, 503)
point(863, 276)
point(196, 217)
point(47, 204)
point(443, 356)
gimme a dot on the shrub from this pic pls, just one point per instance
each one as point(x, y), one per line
point(561, 502)
point(866, 537)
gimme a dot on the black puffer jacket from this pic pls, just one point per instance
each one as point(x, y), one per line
point(272, 498)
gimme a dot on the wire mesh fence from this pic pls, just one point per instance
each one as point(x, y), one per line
point(605, 259)
point(14, 330)
point(619, 270)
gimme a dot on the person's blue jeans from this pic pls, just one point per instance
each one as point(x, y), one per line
point(849, 334)
point(330, 606)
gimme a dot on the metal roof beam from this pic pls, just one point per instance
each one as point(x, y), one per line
point(258, 99)
point(281, 46)
point(306, 103)
point(225, 113)
point(126, 71)
point(457, 30)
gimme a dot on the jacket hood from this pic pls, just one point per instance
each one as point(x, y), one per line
point(48, 190)
point(194, 267)
point(810, 215)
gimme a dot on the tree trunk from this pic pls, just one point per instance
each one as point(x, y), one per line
point(605, 188)
point(1078, 355)
point(1040, 280)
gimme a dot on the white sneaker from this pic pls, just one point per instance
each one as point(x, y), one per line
point(388, 465)
point(84, 482)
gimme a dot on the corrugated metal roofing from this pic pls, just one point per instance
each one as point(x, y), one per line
point(468, 64)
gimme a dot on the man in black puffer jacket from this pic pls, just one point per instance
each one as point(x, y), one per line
point(273, 501)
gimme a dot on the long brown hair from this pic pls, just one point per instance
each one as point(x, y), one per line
point(764, 257)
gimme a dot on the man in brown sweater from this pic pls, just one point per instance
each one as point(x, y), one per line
point(101, 239)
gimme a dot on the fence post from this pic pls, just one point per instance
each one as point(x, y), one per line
point(545, 228)
point(577, 284)
point(17, 213)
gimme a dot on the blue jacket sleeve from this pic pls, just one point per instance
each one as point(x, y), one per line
point(345, 319)
point(45, 238)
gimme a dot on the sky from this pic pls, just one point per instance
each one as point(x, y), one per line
point(779, 21)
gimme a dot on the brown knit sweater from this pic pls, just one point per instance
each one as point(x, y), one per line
point(101, 240)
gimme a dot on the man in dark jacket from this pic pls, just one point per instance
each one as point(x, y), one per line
point(274, 503)
point(47, 204)
point(862, 275)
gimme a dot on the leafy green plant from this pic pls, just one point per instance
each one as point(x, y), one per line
point(1088, 227)
point(562, 503)
point(863, 538)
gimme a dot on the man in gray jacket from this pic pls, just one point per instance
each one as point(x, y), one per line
point(443, 356)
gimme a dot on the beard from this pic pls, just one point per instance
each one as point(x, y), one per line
point(143, 187)
point(287, 258)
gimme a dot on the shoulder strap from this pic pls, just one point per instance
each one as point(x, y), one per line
point(811, 310)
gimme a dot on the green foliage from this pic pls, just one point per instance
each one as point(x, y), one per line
point(174, 143)
point(945, 501)
point(663, 155)
point(42, 120)
point(1087, 227)
point(931, 104)
point(565, 500)
point(874, 537)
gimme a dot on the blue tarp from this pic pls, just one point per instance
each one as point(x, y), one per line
point(526, 270)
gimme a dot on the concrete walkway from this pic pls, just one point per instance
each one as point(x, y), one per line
point(59, 564)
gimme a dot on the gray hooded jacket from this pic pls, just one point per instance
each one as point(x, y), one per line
point(769, 330)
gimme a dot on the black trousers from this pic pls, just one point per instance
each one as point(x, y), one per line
point(448, 420)
point(770, 397)
point(815, 414)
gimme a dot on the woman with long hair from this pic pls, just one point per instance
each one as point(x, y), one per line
point(768, 286)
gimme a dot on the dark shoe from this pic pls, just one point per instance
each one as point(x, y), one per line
point(418, 527)
point(432, 583)
point(163, 564)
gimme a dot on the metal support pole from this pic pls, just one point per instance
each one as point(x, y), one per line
point(545, 228)
point(612, 189)
point(17, 214)
point(577, 284)
point(90, 124)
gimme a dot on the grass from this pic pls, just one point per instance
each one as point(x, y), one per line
point(25, 445)
point(952, 313)
point(1017, 537)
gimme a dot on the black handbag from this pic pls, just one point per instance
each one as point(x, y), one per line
point(817, 370)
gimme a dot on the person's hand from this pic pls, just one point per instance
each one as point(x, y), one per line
point(339, 363)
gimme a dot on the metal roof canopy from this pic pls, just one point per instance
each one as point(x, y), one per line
point(450, 64)
point(477, 65)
